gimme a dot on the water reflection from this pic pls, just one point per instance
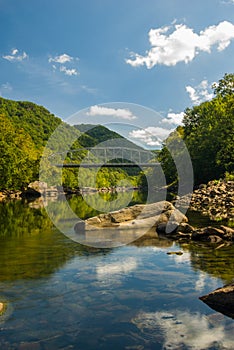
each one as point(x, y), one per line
point(113, 273)
point(207, 258)
point(64, 295)
point(185, 330)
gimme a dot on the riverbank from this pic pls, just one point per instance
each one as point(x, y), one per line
point(214, 200)
point(38, 189)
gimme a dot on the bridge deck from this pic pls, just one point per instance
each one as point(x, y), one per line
point(108, 165)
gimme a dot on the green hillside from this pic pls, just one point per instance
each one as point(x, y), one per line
point(35, 120)
point(25, 130)
point(95, 134)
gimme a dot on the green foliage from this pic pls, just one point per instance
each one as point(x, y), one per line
point(92, 135)
point(18, 154)
point(36, 121)
point(225, 85)
point(25, 130)
point(208, 133)
point(229, 176)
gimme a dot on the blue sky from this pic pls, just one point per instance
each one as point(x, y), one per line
point(71, 55)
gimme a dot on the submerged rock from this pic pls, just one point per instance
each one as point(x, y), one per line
point(221, 300)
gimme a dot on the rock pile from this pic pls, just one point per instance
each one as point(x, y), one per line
point(207, 234)
point(216, 200)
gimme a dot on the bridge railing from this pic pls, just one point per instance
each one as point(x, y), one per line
point(101, 155)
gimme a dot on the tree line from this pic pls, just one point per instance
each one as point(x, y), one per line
point(208, 133)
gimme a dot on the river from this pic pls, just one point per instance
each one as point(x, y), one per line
point(63, 295)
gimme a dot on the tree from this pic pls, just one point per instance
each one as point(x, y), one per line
point(209, 133)
point(19, 157)
point(225, 86)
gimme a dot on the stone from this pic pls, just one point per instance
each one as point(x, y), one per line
point(140, 215)
point(161, 228)
point(185, 228)
point(177, 216)
point(214, 231)
point(38, 186)
point(214, 239)
point(1, 307)
point(79, 227)
point(221, 300)
point(30, 193)
point(199, 235)
point(228, 232)
point(175, 253)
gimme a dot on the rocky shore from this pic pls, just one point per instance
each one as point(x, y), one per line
point(215, 200)
point(166, 220)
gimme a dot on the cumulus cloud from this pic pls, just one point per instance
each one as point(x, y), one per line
point(200, 93)
point(58, 63)
point(68, 71)
point(182, 329)
point(151, 136)
point(15, 56)
point(121, 113)
point(61, 58)
point(170, 45)
point(173, 118)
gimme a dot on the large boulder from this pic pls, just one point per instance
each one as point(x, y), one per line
point(221, 300)
point(137, 216)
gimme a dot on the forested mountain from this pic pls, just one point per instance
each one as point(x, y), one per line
point(35, 120)
point(25, 130)
point(93, 135)
point(208, 132)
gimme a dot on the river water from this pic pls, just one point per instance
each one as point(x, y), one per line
point(59, 294)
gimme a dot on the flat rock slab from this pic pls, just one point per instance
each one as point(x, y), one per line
point(221, 300)
point(137, 216)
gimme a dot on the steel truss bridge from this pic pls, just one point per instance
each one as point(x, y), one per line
point(109, 157)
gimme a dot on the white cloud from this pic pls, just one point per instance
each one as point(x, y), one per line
point(123, 267)
point(173, 118)
point(151, 136)
point(61, 59)
point(227, 2)
point(121, 113)
point(68, 71)
point(14, 51)
point(15, 57)
point(113, 273)
point(181, 329)
point(182, 44)
point(200, 93)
